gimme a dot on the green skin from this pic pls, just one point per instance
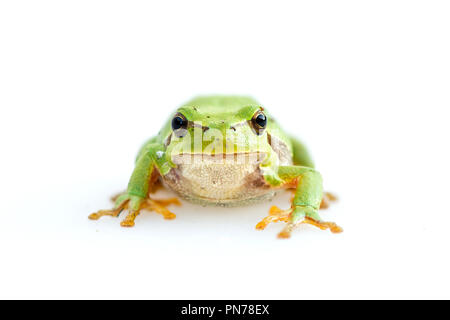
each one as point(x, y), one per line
point(222, 112)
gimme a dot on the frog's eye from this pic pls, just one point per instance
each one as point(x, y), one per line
point(259, 122)
point(179, 125)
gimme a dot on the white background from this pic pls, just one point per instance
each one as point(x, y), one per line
point(364, 83)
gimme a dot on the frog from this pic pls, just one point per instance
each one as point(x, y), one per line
point(225, 150)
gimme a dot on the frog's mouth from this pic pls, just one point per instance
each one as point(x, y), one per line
point(240, 158)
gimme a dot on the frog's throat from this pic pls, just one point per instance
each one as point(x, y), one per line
point(217, 179)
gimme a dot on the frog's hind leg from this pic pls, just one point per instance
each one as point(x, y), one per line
point(157, 185)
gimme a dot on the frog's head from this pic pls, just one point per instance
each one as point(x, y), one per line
point(219, 126)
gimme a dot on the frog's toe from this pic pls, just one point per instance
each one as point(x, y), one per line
point(128, 222)
point(160, 206)
point(309, 215)
point(97, 215)
point(323, 225)
point(275, 215)
point(135, 205)
point(327, 199)
point(112, 213)
point(286, 232)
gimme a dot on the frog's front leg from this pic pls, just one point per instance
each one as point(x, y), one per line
point(327, 198)
point(154, 187)
point(305, 204)
point(141, 183)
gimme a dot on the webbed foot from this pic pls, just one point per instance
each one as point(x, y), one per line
point(135, 205)
point(294, 217)
point(160, 206)
point(275, 215)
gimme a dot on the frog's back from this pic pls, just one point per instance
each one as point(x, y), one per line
point(217, 103)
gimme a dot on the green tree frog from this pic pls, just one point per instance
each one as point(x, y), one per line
point(225, 151)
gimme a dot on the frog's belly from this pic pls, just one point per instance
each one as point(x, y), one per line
point(213, 180)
